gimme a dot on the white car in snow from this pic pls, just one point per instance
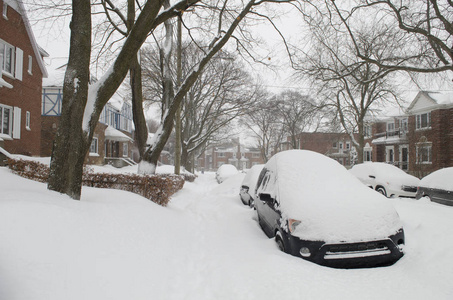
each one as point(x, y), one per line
point(225, 171)
point(386, 179)
point(317, 210)
point(249, 184)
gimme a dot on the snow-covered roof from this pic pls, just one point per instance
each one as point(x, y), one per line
point(19, 7)
point(116, 135)
point(426, 100)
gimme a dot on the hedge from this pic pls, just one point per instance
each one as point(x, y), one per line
point(157, 188)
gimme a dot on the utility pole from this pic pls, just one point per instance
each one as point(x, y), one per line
point(178, 83)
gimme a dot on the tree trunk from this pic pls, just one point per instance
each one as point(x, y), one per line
point(71, 142)
point(141, 130)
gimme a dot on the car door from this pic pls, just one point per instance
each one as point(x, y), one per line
point(268, 206)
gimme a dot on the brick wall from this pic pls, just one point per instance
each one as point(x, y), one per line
point(25, 94)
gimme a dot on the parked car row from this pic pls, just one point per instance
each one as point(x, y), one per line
point(315, 209)
point(391, 181)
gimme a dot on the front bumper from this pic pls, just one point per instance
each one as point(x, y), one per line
point(351, 255)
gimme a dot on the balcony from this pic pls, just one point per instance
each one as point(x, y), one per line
point(391, 137)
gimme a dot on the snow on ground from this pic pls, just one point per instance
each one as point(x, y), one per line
point(205, 245)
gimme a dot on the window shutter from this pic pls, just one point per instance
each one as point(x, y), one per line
point(16, 124)
point(19, 63)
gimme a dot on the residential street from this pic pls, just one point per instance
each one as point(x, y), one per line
point(204, 245)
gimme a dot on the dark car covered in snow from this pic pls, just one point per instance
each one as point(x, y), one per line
point(315, 209)
point(437, 186)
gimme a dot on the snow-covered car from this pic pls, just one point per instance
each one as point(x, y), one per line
point(249, 184)
point(438, 186)
point(225, 171)
point(317, 210)
point(386, 179)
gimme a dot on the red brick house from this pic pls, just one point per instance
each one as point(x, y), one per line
point(389, 142)
point(338, 146)
point(231, 152)
point(421, 141)
point(21, 73)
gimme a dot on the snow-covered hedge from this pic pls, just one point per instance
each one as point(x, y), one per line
point(157, 188)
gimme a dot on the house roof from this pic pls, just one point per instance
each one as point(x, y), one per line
point(116, 135)
point(431, 99)
point(39, 52)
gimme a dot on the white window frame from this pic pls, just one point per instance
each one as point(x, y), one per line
point(220, 154)
point(30, 65)
point(390, 126)
point(27, 120)
point(256, 155)
point(6, 47)
point(404, 124)
point(428, 146)
point(348, 145)
point(9, 134)
point(94, 147)
point(390, 150)
point(5, 10)
point(418, 121)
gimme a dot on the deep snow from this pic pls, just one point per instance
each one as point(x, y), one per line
point(205, 245)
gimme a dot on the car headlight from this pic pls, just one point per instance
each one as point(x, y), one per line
point(292, 224)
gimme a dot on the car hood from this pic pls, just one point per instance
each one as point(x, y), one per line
point(332, 204)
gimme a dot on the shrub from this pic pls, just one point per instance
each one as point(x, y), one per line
point(157, 188)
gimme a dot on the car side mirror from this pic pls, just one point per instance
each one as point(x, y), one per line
point(372, 176)
point(266, 197)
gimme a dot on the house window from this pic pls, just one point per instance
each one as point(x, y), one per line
point(348, 145)
point(390, 127)
point(30, 64)
point(423, 121)
point(367, 155)
point(403, 124)
point(221, 154)
point(390, 154)
point(334, 145)
point(366, 130)
point(125, 149)
point(6, 120)
point(341, 145)
point(424, 153)
point(27, 120)
point(94, 145)
point(7, 58)
point(255, 155)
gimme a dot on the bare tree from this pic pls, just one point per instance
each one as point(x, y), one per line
point(425, 30)
point(297, 113)
point(223, 92)
point(352, 87)
point(266, 125)
point(82, 107)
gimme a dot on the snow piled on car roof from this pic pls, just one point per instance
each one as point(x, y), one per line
point(332, 205)
point(440, 179)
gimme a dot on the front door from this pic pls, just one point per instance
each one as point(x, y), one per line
point(404, 157)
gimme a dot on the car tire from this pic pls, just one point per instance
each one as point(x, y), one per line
point(279, 239)
point(381, 190)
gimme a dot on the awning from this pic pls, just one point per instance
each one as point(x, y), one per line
point(3, 83)
point(116, 135)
